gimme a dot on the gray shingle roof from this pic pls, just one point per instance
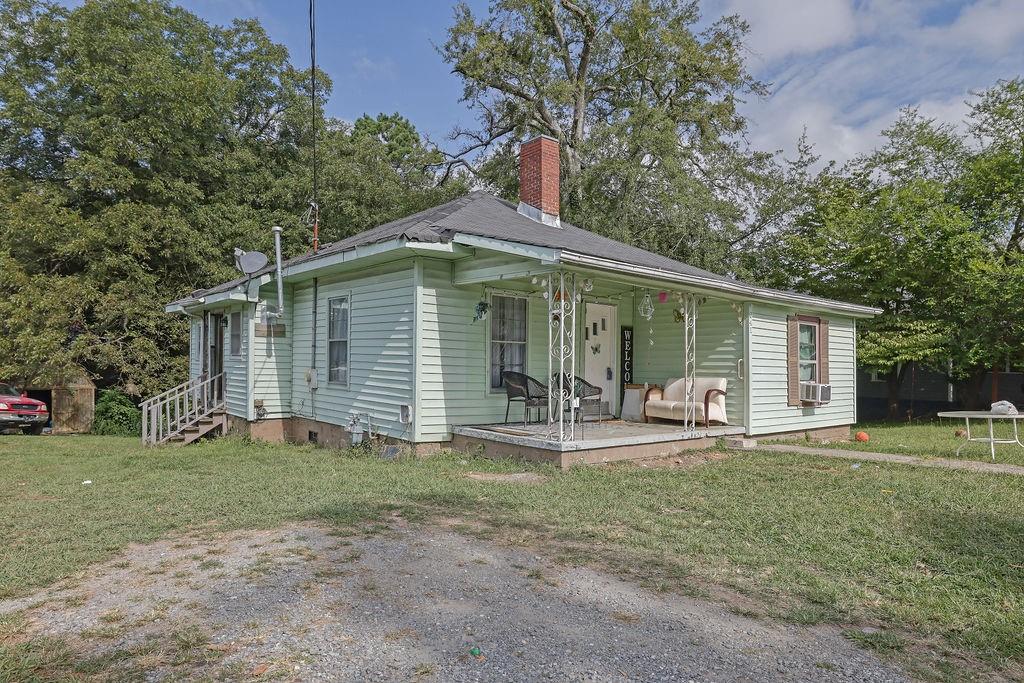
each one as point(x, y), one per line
point(485, 215)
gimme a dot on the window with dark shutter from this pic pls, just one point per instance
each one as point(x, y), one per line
point(792, 360)
point(806, 354)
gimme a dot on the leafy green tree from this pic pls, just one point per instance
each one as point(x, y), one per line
point(138, 146)
point(923, 228)
point(984, 314)
point(897, 247)
point(644, 108)
point(993, 188)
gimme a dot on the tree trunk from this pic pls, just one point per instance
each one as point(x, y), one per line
point(969, 390)
point(573, 172)
point(894, 382)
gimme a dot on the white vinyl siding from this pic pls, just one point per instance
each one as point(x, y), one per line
point(236, 367)
point(195, 348)
point(272, 356)
point(453, 356)
point(719, 348)
point(380, 350)
point(768, 380)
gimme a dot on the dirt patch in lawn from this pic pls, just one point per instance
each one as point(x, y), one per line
point(408, 602)
point(510, 478)
point(684, 460)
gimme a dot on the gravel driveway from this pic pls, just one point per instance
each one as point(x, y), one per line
point(408, 603)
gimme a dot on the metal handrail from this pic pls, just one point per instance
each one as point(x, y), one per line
point(169, 413)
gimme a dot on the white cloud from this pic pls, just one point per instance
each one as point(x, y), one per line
point(786, 27)
point(843, 69)
point(988, 25)
point(372, 69)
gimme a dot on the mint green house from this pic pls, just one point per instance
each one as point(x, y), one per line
point(404, 334)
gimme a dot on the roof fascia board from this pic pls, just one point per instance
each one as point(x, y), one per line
point(313, 265)
point(209, 301)
point(546, 255)
point(370, 250)
point(471, 275)
point(342, 257)
point(438, 248)
point(716, 286)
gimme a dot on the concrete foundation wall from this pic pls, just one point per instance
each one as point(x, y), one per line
point(300, 430)
point(592, 456)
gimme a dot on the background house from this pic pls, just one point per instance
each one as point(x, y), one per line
point(925, 392)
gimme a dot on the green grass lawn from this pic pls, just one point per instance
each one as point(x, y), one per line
point(936, 439)
point(933, 557)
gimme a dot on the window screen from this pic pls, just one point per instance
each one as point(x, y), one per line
point(508, 337)
point(808, 352)
point(236, 334)
point(337, 340)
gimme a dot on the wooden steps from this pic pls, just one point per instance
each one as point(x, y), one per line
point(204, 426)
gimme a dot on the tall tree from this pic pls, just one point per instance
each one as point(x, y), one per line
point(138, 146)
point(923, 228)
point(644, 108)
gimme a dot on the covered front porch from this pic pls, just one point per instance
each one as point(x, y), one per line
point(615, 334)
point(594, 442)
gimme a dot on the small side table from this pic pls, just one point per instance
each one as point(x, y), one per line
point(990, 417)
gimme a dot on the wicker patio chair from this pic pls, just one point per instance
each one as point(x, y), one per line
point(520, 387)
point(585, 391)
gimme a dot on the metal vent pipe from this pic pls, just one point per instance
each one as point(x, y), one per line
point(280, 280)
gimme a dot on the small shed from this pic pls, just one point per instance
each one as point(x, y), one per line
point(72, 404)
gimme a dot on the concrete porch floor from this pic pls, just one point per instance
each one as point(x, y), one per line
point(595, 442)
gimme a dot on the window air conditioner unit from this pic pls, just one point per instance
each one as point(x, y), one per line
point(817, 394)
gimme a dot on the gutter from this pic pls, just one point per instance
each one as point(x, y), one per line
point(759, 293)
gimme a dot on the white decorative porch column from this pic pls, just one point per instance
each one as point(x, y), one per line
point(561, 296)
point(688, 311)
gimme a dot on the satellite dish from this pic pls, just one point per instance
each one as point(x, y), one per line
point(249, 262)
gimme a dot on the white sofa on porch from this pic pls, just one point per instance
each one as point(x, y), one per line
point(669, 403)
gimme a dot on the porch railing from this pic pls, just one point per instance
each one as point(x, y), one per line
point(168, 414)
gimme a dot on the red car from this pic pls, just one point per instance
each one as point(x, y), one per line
point(18, 411)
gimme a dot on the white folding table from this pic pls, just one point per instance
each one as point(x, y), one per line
point(990, 417)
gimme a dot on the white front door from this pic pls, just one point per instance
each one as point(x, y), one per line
point(599, 339)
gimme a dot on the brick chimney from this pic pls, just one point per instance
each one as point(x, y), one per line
point(538, 180)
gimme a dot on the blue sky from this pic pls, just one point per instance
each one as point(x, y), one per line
point(842, 68)
point(379, 54)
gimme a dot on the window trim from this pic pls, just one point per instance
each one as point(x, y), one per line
point(489, 339)
point(815, 324)
point(233, 330)
point(347, 296)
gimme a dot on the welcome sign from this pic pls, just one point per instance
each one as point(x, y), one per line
point(626, 357)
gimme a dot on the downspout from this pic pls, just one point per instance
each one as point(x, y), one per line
point(312, 362)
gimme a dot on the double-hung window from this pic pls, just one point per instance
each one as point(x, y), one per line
point(236, 333)
point(508, 337)
point(337, 340)
point(808, 358)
